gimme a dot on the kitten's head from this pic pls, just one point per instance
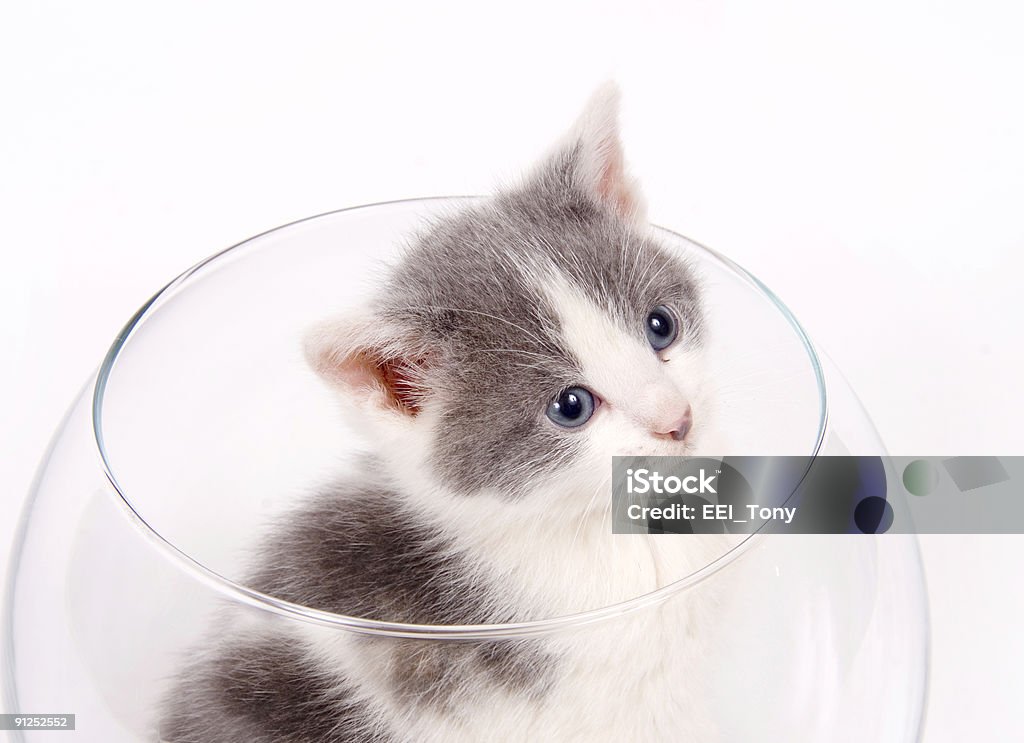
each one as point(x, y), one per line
point(525, 340)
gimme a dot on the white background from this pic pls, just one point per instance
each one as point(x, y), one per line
point(865, 160)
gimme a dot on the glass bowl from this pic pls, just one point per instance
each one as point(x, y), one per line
point(204, 424)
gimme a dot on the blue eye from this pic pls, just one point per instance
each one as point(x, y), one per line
point(661, 327)
point(573, 407)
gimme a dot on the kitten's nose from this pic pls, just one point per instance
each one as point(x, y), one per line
point(678, 430)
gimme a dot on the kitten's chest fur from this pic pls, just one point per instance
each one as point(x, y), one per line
point(638, 676)
point(633, 677)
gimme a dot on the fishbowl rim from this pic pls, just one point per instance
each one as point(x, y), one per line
point(239, 593)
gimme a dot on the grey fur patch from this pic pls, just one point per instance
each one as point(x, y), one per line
point(469, 287)
point(263, 691)
point(445, 675)
point(354, 550)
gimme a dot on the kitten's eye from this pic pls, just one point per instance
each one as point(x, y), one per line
point(573, 407)
point(662, 327)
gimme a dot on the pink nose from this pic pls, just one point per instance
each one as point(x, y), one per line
point(678, 430)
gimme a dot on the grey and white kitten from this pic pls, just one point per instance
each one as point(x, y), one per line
point(514, 349)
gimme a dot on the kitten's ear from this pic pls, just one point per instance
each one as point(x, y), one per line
point(591, 158)
point(369, 363)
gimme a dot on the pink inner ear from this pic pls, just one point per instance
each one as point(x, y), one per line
point(611, 185)
point(614, 193)
point(368, 369)
point(398, 378)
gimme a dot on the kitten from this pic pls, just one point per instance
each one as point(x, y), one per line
point(515, 348)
